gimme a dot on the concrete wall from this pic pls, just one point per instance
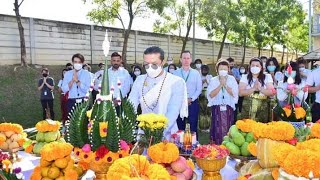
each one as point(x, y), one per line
point(53, 43)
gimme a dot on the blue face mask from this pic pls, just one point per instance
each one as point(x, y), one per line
point(271, 68)
point(293, 74)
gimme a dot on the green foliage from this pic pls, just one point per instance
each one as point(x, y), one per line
point(113, 135)
point(78, 127)
point(127, 122)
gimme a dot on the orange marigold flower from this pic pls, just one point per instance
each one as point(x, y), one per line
point(17, 128)
point(277, 130)
point(281, 152)
point(315, 130)
point(287, 111)
point(48, 126)
point(163, 153)
point(300, 113)
point(252, 148)
point(275, 173)
point(55, 150)
point(71, 174)
point(245, 125)
point(29, 149)
point(36, 175)
point(312, 144)
point(242, 178)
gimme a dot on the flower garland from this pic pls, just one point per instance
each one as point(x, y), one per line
point(279, 130)
point(163, 152)
point(136, 167)
point(281, 152)
point(55, 150)
point(48, 126)
point(312, 144)
point(315, 130)
point(17, 128)
point(245, 125)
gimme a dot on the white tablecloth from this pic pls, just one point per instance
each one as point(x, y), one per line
point(29, 162)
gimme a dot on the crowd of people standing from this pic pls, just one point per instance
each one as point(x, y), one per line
point(228, 93)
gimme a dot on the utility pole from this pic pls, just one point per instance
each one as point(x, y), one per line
point(194, 31)
point(310, 27)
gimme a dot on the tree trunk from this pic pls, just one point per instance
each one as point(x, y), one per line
point(189, 24)
point(21, 34)
point(282, 57)
point(259, 51)
point(222, 43)
point(296, 52)
point(271, 50)
point(244, 49)
point(127, 34)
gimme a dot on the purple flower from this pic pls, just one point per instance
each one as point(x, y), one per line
point(17, 170)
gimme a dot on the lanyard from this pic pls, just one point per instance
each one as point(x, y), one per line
point(185, 79)
point(78, 94)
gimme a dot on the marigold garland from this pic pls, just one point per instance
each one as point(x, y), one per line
point(48, 126)
point(301, 162)
point(277, 130)
point(281, 152)
point(17, 128)
point(312, 144)
point(163, 152)
point(135, 167)
point(245, 125)
point(55, 150)
point(315, 130)
point(242, 178)
point(275, 173)
point(252, 148)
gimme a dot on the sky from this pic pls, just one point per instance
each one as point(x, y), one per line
point(76, 11)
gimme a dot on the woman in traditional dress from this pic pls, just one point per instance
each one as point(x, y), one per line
point(298, 85)
point(222, 94)
point(256, 88)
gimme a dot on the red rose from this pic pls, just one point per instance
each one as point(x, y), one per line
point(293, 141)
point(101, 151)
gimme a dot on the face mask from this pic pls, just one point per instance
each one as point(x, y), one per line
point(242, 71)
point(171, 71)
point(77, 66)
point(223, 72)
point(137, 73)
point(170, 62)
point(264, 65)
point(271, 68)
point(45, 75)
point(293, 74)
point(154, 72)
point(302, 69)
point(255, 70)
point(198, 66)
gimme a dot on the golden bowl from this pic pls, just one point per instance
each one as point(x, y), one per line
point(211, 168)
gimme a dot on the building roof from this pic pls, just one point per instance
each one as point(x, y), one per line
point(312, 56)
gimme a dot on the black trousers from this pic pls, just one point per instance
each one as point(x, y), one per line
point(315, 111)
point(47, 105)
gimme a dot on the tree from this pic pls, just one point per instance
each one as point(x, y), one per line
point(177, 18)
point(111, 10)
point(219, 17)
point(21, 33)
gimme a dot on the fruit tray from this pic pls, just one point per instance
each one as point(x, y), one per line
point(243, 158)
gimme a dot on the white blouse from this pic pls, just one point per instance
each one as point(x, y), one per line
point(268, 79)
point(282, 94)
point(223, 97)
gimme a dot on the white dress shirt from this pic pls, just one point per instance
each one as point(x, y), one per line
point(314, 79)
point(223, 97)
point(282, 94)
point(268, 79)
point(193, 80)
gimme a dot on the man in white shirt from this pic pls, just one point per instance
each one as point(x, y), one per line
point(313, 81)
point(160, 92)
point(194, 88)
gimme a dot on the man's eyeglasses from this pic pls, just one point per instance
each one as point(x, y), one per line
point(153, 66)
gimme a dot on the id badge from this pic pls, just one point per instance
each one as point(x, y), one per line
point(78, 100)
point(223, 107)
point(45, 93)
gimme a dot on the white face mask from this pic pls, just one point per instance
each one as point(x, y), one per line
point(242, 71)
point(223, 72)
point(171, 71)
point(137, 73)
point(154, 72)
point(198, 66)
point(77, 66)
point(170, 62)
point(255, 70)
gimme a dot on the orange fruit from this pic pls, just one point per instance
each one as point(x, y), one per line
point(53, 172)
point(44, 171)
point(44, 163)
point(61, 163)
